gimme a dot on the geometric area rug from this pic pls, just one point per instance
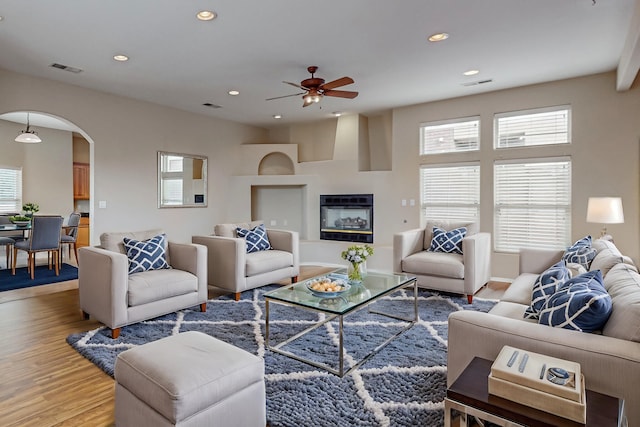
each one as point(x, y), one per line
point(402, 385)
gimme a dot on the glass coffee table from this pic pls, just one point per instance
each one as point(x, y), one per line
point(374, 288)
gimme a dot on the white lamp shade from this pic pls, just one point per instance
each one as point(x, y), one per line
point(605, 210)
point(28, 137)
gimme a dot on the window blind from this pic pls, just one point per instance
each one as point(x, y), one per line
point(10, 189)
point(172, 191)
point(451, 136)
point(532, 204)
point(451, 192)
point(534, 127)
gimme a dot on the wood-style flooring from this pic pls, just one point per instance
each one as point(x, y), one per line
point(43, 381)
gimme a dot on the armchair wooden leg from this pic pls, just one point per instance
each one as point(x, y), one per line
point(236, 296)
point(32, 264)
point(57, 254)
point(13, 262)
point(294, 279)
point(470, 299)
point(115, 333)
point(203, 307)
point(85, 315)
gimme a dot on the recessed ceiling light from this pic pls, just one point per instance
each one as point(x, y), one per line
point(206, 15)
point(471, 72)
point(121, 58)
point(438, 37)
point(277, 116)
point(337, 113)
point(234, 92)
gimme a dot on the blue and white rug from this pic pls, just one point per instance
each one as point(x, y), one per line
point(403, 385)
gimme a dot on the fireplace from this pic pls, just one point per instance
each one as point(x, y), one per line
point(347, 217)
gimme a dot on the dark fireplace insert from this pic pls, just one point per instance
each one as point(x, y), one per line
point(347, 217)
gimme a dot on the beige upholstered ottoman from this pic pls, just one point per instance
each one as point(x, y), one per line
point(189, 379)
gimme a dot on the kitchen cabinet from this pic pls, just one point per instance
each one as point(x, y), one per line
point(82, 238)
point(81, 181)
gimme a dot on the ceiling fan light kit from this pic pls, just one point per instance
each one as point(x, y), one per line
point(315, 88)
point(28, 136)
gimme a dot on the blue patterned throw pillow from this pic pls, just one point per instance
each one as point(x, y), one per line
point(581, 304)
point(146, 254)
point(580, 252)
point(546, 285)
point(447, 241)
point(257, 239)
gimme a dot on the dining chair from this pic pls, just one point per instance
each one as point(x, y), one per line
point(8, 242)
point(44, 237)
point(70, 235)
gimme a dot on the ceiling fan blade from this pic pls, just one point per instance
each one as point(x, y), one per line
point(343, 81)
point(296, 85)
point(285, 96)
point(341, 93)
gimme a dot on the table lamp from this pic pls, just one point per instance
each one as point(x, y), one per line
point(605, 210)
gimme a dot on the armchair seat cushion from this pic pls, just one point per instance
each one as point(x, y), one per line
point(266, 261)
point(156, 285)
point(434, 264)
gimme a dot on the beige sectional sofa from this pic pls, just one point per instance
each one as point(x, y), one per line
point(610, 360)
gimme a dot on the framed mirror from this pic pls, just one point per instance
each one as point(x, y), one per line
point(182, 180)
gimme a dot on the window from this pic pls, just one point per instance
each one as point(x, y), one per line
point(451, 192)
point(532, 204)
point(451, 136)
point(10, 189)
point(543, 126)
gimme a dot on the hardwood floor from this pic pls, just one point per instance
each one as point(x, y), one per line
point(43, 381)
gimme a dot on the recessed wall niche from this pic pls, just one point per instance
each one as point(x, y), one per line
point(276, 164)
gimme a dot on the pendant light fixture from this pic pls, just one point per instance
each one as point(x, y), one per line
point(28, 136)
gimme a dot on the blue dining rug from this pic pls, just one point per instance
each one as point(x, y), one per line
point(43, 276)
point(402, 385)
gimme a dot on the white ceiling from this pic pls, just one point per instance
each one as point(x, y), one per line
point(254, 45)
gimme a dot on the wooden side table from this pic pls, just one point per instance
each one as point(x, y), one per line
point(469, 395)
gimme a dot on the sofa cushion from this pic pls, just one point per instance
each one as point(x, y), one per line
point(114, 241)
point(607, 256)
point(472, 228)
point(256, 238)
point(519, 291)
point(267, 261)
point(229, 230)
point(447, 241)
point(546, 285)
point(623, 285)
point(581, 304)
point(145, 255)
point(434, 264)
point(580, 252)
point(157, 285)
point(511, 310)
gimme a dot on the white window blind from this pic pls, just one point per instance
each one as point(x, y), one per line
point(452, 136)
point(545, 126)
point(532, 204)
point(172, 191)
point(451, 192)
point(10, 189)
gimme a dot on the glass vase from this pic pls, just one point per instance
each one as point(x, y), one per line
point(356, 272)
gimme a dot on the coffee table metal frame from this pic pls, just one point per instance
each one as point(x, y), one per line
point(410, 282)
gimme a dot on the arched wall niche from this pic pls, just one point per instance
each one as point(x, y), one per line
point(276, 163)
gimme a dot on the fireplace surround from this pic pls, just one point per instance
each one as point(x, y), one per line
point(347, 217)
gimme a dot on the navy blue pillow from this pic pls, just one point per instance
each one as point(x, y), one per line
point(580, 252)
point(447, 241)
point(546, 285)
point(581, 304)
point(146, 254)
point(257, 239)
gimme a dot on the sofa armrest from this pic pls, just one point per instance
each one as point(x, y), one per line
point(610, 366)
point(226, 261)
point(538, 260)
point(406, 243)
point(288, 241)
point(103, 282)
point(191, 258)
point(476, 251)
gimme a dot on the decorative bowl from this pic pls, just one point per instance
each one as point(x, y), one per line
point(20, 223)
point(328, 294)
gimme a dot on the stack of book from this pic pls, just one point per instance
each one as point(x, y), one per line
point(542, 382)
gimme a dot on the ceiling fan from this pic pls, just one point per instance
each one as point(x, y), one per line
point(315, 88)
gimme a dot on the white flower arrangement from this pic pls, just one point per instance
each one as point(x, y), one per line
point(357, 254)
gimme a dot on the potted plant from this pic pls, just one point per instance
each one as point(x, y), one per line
point(30, 208)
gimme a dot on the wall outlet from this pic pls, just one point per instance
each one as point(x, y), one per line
point(285, 222)
point(273, 222)
point(412, 202)
point(404, 202)
point(102, 204)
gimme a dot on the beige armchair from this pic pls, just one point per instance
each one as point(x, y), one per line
point(449, 272)
point(116, 298)
point(232, 269)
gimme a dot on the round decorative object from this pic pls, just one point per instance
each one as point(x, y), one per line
point(327, 288)
point(21, 223)
point(558, 376)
